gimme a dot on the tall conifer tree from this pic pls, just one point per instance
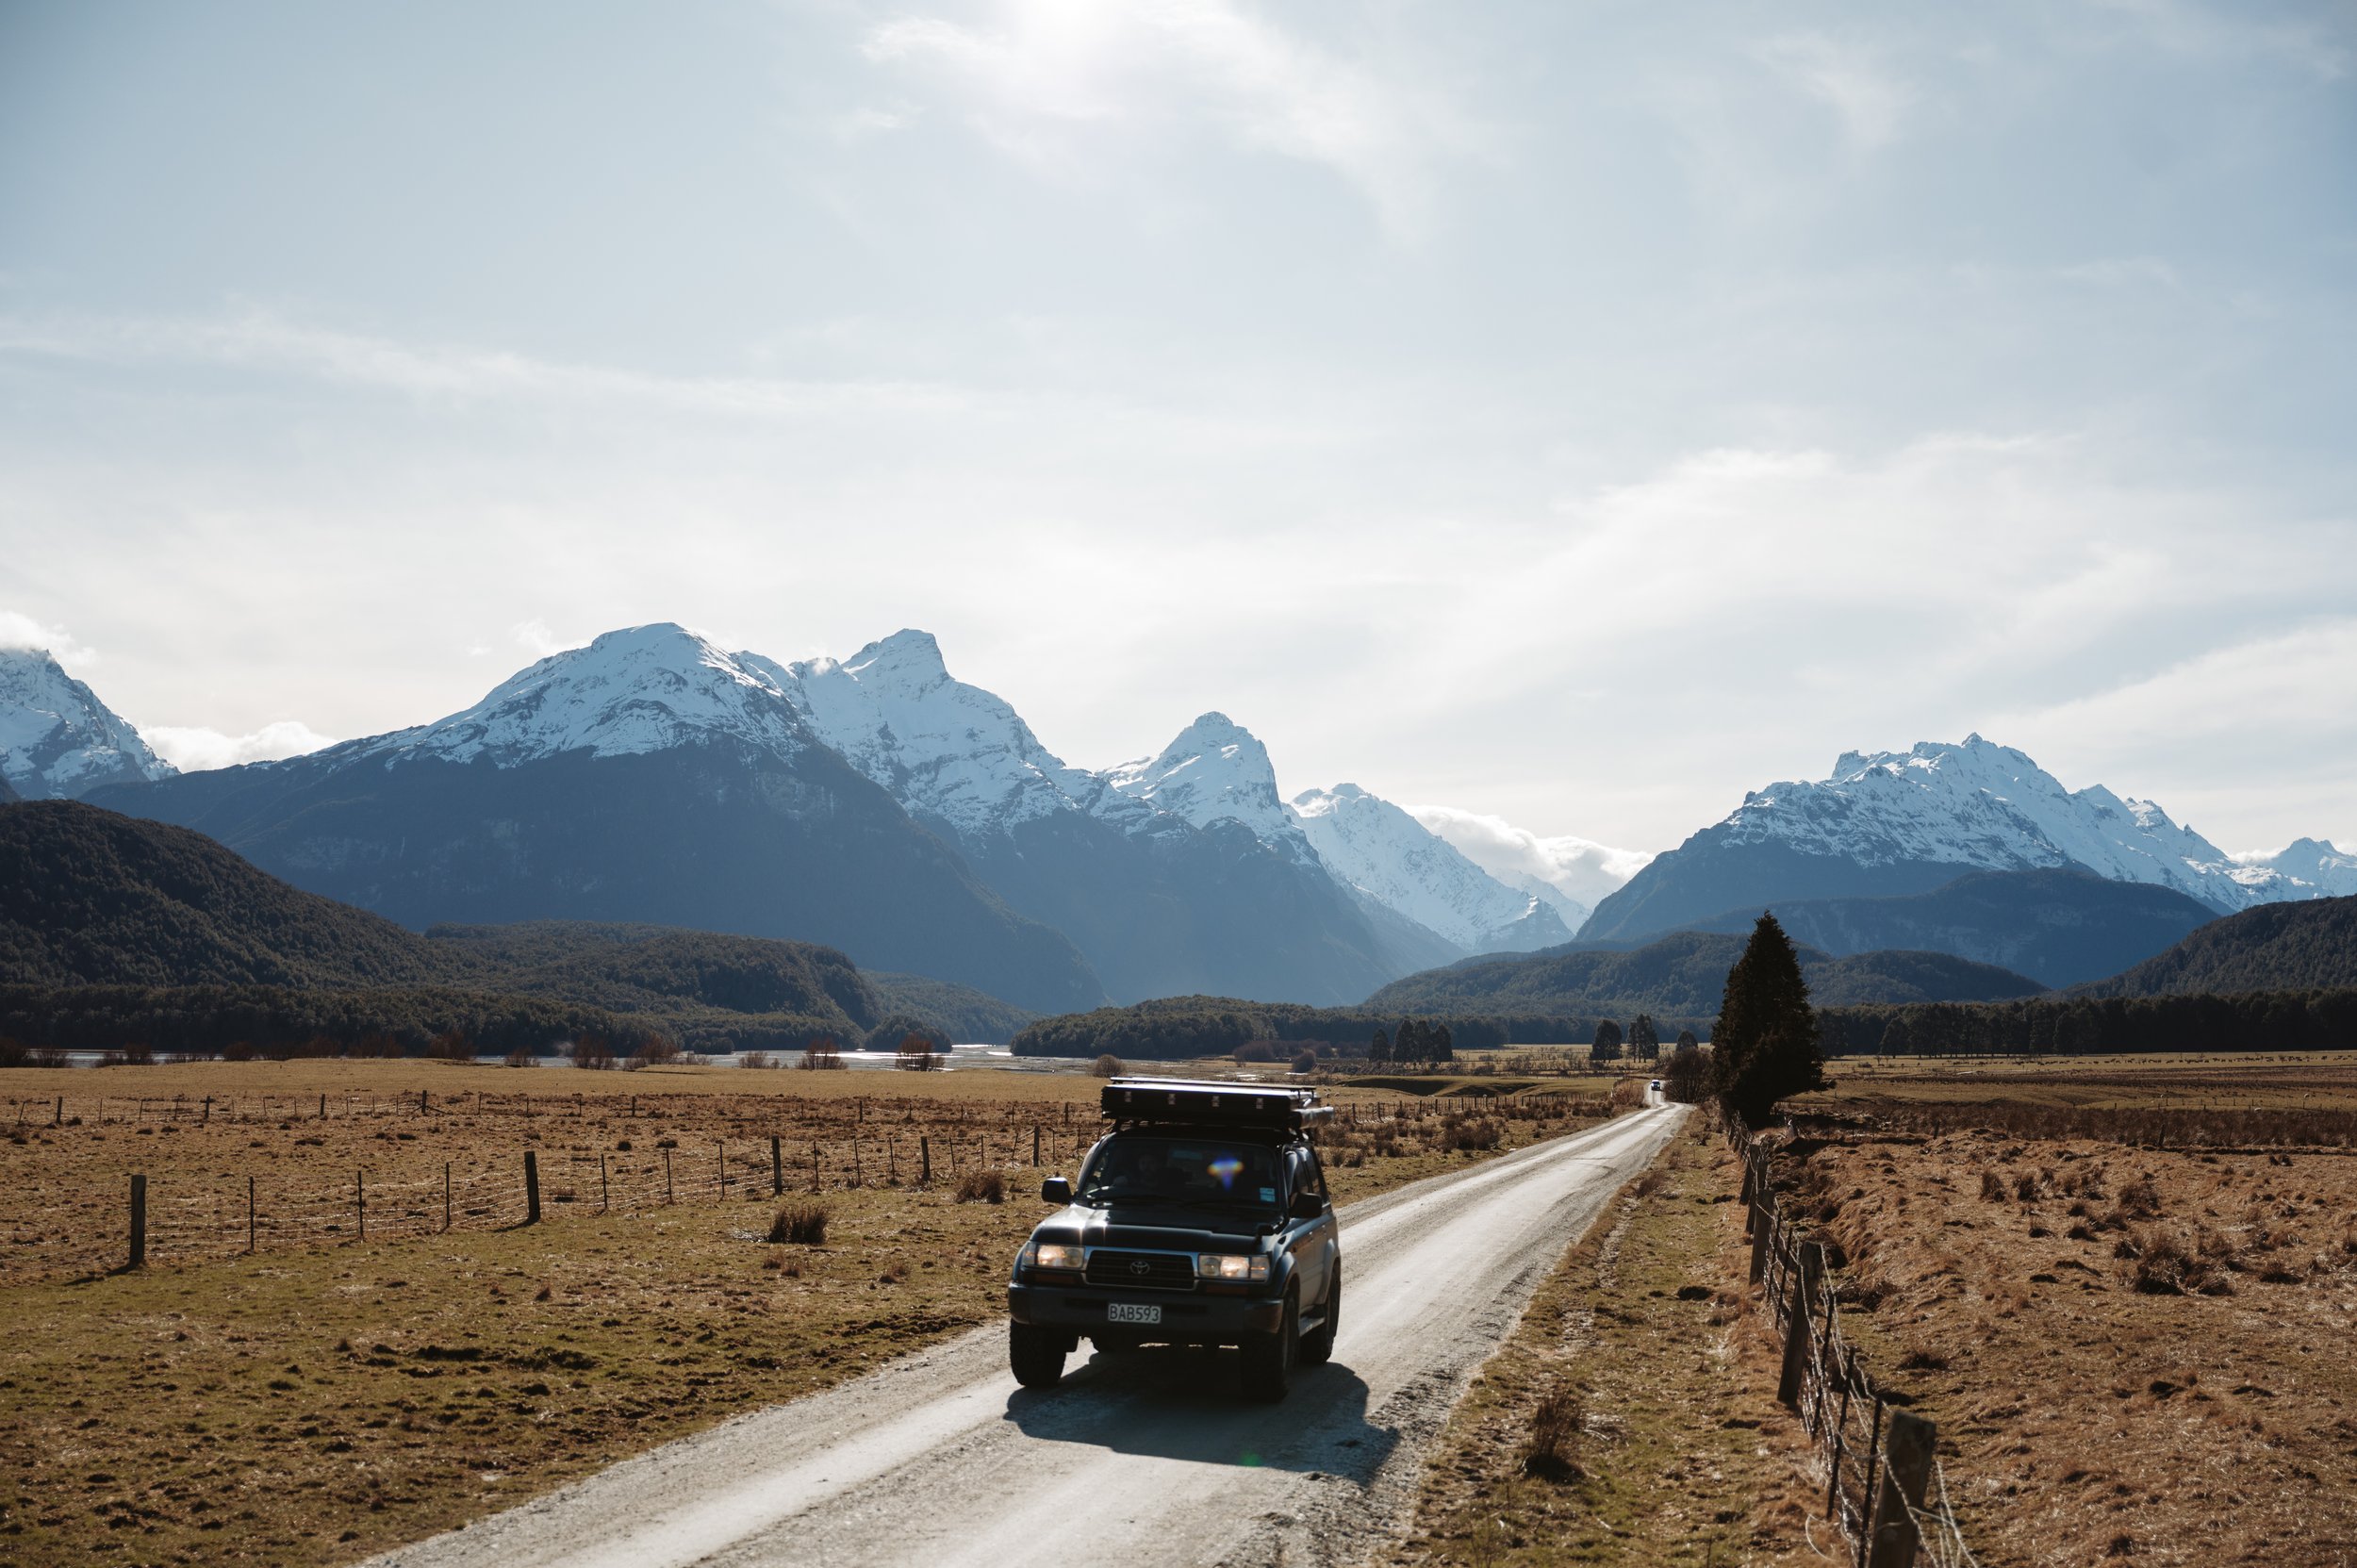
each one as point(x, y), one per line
point(1764, 1044)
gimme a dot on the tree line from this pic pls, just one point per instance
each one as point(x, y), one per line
point(2321, 1019)
point(1179, 1028)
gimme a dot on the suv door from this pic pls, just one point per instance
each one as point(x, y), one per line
point(1309, 1241)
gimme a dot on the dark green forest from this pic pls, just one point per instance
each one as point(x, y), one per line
point(1176, 1028)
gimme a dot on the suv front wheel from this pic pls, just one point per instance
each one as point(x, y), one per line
point(1035, 1355)
point(1268, 1358)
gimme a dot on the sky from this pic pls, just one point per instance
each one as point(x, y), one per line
point(1572, 414)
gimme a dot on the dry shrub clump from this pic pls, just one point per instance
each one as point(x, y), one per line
point(1106, 1066)
point(801, 1224)
point(981, 1186)
point(1550, 1452)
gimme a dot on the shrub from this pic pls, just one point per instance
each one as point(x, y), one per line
point(1106, 1066)
point(520, 1057)
point(653, 1051)
point(1551, 1451)
point(760, 1061)
point(981, 1186)
point(914, 1054)
point(450, 1046)
point(1992, 1187)
point(822, 1055)
point(1306, 1062)
point(591, 1050)
point(799, 1224)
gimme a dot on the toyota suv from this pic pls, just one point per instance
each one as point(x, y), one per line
point(1201, 1218)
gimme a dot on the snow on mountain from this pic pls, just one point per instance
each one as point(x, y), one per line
point(2309, 862)
point(1214, 770)
point(58, 740)
point(945, 749)
point(1573, 874)
point(1989, 806)
point(1388, 854)
point(644, 689)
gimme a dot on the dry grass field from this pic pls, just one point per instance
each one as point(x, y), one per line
point(1631, 1418)
point(2124, 1290)
point(328, 1396)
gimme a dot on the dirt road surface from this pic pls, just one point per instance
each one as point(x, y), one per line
point(1144, 1459)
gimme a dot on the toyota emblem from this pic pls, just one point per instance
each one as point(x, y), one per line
point(1141, 1268)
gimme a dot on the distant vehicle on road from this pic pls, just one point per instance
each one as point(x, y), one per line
point(1655, 1086)
point(1202, 1218)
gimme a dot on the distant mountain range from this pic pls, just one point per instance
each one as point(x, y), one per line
point(1897, 823)
point(874, 803)
point(2059, 928)
point(881, 806)
point(91, 897)
point(1685, 974)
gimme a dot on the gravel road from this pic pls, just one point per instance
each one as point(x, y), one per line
point(1144, 1459)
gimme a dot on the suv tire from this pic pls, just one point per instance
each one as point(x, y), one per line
point(1267, 1359)
point(1317, 1346)
point(1035, 1355)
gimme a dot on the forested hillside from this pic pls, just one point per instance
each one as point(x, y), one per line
point(2286, 947)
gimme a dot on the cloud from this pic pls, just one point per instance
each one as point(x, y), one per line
point(23, 631)
point(1582, 869)
point(261, 340)
point(2302, 681)
point(1055, 85)
point(194, 749)
point(535, 639)
point(1868, 99)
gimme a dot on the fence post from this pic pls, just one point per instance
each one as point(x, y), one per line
point(58, 1119)
point(605, 1192)
point(420, 1102)
point(360, 1202)
point(1906, 1471)
point(323, 1107)
point(139, 1222)
point(814, 1166)
point(206, 1120)
point(1799, 1330)
point(857, 1180)
point(666, 1177)
point(1036, 1146)
point(446, 1194)
point(777, 1166)
point(532, 1187)
point(1760, 1227)
point(721, 1157)
point(924, 1161)
point(249, 1217)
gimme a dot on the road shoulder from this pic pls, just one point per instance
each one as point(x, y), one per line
point(1675, 1449)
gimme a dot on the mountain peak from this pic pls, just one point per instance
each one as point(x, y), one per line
point(58, 740)
point(906, 655)
point(637, 689)
point(1215, 769)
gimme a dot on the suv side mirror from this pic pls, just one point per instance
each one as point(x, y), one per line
point(1305, 1205)
point(1055, 1190)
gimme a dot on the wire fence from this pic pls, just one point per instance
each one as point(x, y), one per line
point(336, 1169)
point(1883, 1483)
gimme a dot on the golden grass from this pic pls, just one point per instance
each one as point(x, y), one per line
point(1645, 1336)
point(327, 1397)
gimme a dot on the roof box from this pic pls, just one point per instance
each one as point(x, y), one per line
point(1197, 1104)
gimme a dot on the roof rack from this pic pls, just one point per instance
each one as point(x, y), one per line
point(1194, 1104)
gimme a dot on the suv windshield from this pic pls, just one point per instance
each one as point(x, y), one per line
point(1144, 1168)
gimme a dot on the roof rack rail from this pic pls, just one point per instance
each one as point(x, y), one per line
point(1196, 1103)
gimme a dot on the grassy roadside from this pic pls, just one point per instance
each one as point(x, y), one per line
point(1673, 1448)
point(314, 1406)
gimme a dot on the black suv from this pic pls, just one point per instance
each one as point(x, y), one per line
point(1202, 1218)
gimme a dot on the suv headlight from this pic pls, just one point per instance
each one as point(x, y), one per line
point(1231, 1265)
point(1056, 1255)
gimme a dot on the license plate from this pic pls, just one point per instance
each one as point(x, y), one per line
point(1122, 1311)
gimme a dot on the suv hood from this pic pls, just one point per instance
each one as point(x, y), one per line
point(1153, 1228)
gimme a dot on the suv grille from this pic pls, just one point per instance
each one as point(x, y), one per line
point(1153, 1271)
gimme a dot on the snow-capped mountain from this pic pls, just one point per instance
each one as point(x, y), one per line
point(952, 753)
point(2309, 862)
point(1900, 822)
point(1386, 853)
point(58, 740)
point(1214, 770)
point(648, 777)
point(647, 688)
point(1571, 873)
point(1161, 903)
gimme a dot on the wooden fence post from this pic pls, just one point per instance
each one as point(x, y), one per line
point(531, 1187)
point(1906, 1472)
point(206, 1120)
point(138, 1221)
point(605, 1192)
point(249, 1217)
point(720, 1154)
point(777, 1166)
point(323, 1107)
point(1036, 1146)
point(924, 1161)
point(446, 1194)
point(1760, 1228)
point(667, 1176)
point(1799, 1330)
